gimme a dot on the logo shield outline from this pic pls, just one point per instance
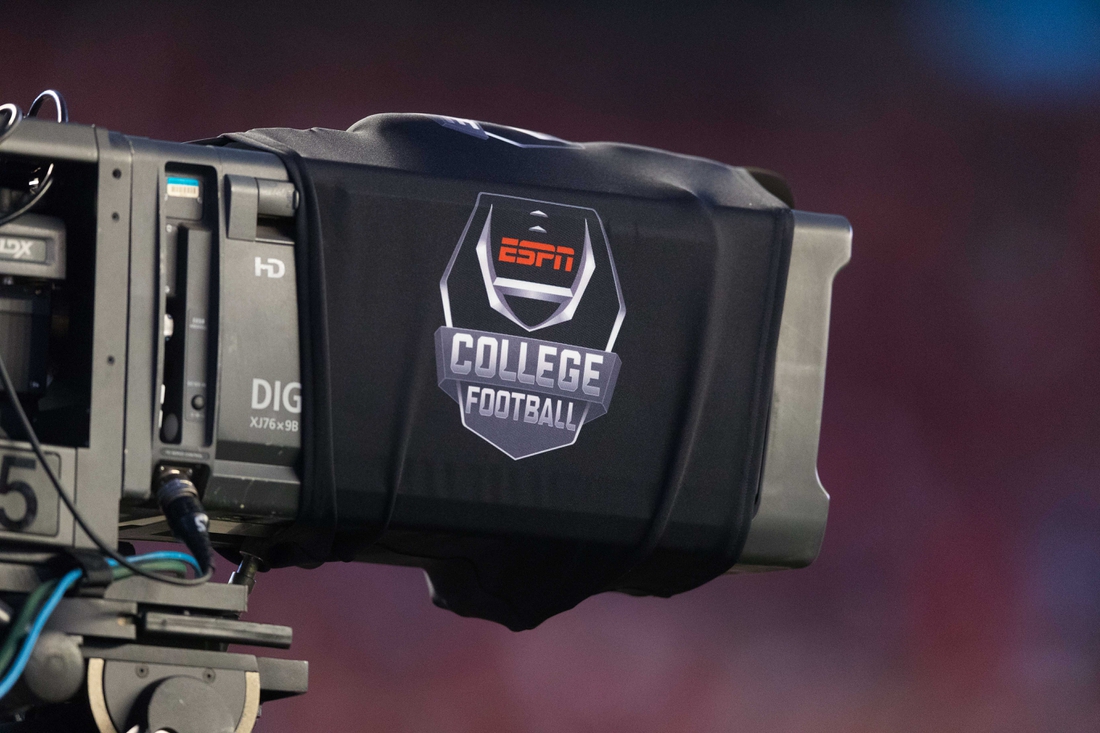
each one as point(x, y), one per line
point(497, 287)
point(516, 442)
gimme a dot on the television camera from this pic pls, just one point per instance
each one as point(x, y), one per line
point(537, 369)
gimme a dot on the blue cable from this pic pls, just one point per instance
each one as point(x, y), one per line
point(161, 555)
point(68, 581)
point(20, 662)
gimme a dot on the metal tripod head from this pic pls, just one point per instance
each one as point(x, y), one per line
point(138, 656)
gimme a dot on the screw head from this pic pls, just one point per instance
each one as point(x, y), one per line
point(142, 670)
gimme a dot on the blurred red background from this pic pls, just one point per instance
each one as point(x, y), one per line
point(959, 584)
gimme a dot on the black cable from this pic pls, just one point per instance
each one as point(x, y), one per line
point(179, 501)
point(58, 101)
point(32, 202)
point(103, 547)
point(15, 116)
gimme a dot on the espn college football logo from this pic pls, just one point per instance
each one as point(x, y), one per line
point(524, 266)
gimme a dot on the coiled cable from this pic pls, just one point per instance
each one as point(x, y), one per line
point(38, 186)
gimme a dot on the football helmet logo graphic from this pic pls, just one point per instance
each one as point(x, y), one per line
point(521, 266)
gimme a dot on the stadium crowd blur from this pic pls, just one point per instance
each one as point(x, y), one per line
point(959, 585)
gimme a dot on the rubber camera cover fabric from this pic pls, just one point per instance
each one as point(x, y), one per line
point(538, 369)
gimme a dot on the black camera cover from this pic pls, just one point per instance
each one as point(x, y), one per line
point(538, 369)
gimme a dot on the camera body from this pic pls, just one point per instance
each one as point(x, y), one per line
point(164, 320)
point(156, 323)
